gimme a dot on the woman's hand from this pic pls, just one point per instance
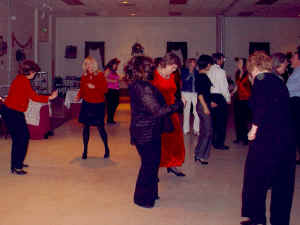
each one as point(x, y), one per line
point(77, 98)
point(252, 132)
point(206, 111)
point(53, 95)
point(91, 86)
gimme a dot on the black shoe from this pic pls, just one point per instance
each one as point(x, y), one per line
point(25, 165)
point(201, 161)
point(84, 155)
point(112, 122)
point(298, 161)
point(178, 174)
point(222, 147)
point(107, 154)
point(18, 171)
point(145, 205)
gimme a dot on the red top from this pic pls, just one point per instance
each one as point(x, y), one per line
point(166, 86)
point(172, 144)
point(243, 88)
point(96, 94)
point(19, 94)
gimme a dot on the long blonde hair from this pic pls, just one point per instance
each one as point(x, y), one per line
point(92, 61)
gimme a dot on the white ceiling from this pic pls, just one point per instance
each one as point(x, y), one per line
point(162, 8)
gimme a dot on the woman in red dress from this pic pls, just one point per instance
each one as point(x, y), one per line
point(172, 149)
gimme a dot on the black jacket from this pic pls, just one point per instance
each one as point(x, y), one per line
point(148, 112)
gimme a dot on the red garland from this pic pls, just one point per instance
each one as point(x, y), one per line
point(14, 40)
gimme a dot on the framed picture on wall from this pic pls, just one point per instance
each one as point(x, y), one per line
point(180, 49)
point(259, 46)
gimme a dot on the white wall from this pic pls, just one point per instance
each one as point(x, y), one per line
point(120, 34)
point(282, 33)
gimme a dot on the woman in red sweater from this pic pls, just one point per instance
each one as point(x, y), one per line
point(15, 105)
point(93, 87)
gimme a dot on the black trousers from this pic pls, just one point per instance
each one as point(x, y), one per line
point(258, 179)
point(219, 119)
point(17, 128)
point(295, 109)
point(242, 118)
point(112, 102)
point(146, 188)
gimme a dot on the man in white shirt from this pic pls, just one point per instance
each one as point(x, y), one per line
point(220, 99)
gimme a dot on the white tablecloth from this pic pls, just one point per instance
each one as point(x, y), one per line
point(32, 115)
point(70, 96)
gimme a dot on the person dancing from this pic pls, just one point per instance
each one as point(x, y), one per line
point(113, 94)
point(93, 87)
point(173, 150)
point(149, 117)
point(16, 103)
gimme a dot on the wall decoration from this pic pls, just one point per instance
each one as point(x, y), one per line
point(259, 46)
point(3, 46)
point(178, 47)
point(71, 52)
point(15, 41)
point(137, 49)
point(20, 55)
point(91, 46)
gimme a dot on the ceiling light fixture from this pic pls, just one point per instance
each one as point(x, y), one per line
point(124, 2)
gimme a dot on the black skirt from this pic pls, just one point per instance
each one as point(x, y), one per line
point(92, 113)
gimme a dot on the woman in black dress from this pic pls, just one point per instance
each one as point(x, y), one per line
point(270, 162)
point(149, 118)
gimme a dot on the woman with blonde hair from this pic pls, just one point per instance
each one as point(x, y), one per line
point(93, 87)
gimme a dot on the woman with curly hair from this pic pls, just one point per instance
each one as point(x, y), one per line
point(270, 162)
point(16, 103)
point(149, 119)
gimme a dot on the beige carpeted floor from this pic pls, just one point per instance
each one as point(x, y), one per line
point(62, 189)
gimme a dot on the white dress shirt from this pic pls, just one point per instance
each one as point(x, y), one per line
point(218, 78)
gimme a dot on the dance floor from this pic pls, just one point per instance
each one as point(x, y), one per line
point(62, 189)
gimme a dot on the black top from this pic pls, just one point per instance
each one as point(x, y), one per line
point(148, 112)
point(203, 85)
point(271, 113)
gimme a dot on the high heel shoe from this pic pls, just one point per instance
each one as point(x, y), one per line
point(178, 174)
point(84, 155)
point(201, 161)
point(18, 171)
point(25, 165)
point(107, 154)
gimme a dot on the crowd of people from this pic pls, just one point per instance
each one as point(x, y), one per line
point(266, 105)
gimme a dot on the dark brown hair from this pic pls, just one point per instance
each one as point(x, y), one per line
point(139, 68)
point(111, 64)
point(260, 60)
point(29, 66)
